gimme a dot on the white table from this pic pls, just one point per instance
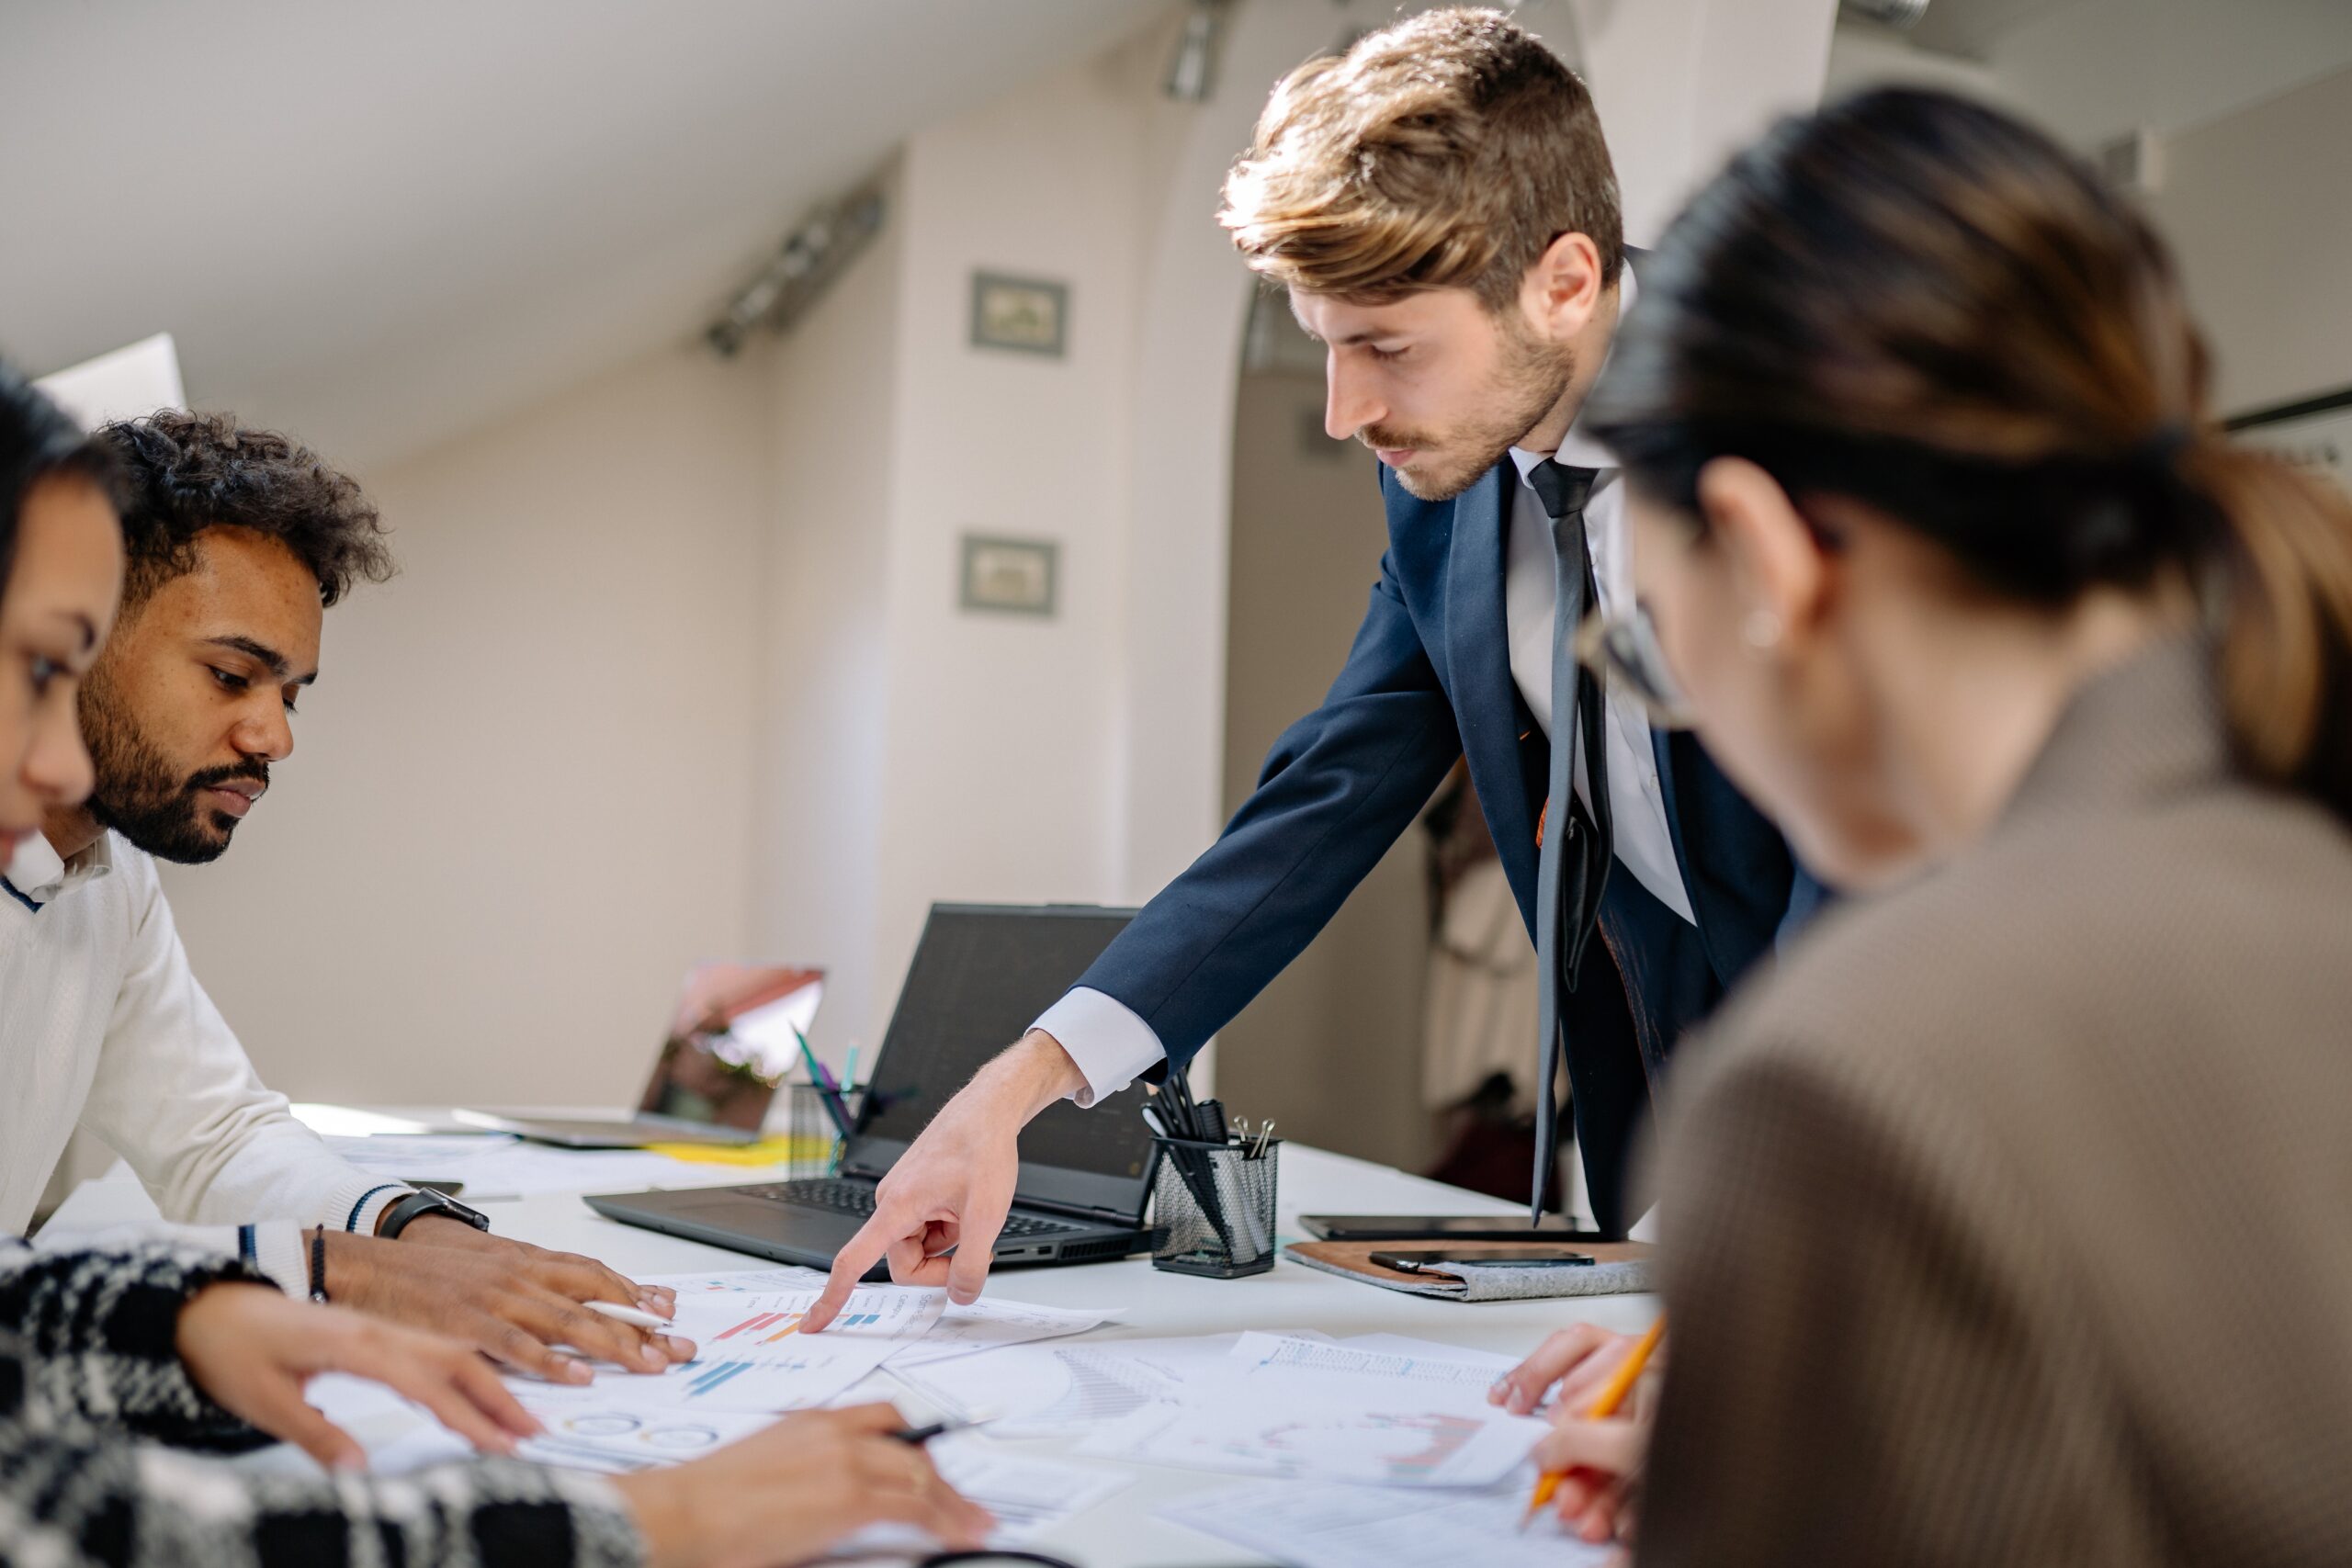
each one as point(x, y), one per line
point(1123, 1532)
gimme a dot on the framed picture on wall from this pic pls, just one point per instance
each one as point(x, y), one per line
point(1027, 314)
point(1012, 576)
point(2315, 432)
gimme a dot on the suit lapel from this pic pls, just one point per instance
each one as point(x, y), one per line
point(1485, 703)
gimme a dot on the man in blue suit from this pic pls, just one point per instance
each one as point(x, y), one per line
point(1439, 204)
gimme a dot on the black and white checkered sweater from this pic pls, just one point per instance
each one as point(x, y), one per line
point(92, 1389)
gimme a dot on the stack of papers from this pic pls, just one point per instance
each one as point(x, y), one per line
point(1345, 1526)
point(1385, 1446)
point(500, 1164)
point(1284, 1406)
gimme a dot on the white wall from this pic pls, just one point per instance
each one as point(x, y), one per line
point(816, 812)
point(1866, 54)
point(521, 792)
point(2258, 207)
point(1682, 84)
point(999, 776)
point(2095, 69)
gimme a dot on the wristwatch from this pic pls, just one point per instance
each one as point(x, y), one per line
point(423, 1202)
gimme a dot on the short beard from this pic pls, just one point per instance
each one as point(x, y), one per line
point(136, 794)
point(1532, 378)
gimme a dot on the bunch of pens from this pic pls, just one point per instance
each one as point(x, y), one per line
point(1213, 1193)
point(822, 1112)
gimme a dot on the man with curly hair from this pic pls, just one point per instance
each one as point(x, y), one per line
point(236, 542)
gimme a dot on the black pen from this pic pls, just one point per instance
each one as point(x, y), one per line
point(917, 1436)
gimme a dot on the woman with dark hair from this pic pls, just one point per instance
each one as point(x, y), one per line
point(2003, 1223)
point(101, 1349)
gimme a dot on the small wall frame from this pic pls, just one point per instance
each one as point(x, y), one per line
point(1010, 577)
point(1027, 315)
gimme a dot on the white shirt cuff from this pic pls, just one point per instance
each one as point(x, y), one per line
point(283, 1252)
point(1105, 1038)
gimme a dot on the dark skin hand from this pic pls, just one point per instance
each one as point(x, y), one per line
point(511, 1301)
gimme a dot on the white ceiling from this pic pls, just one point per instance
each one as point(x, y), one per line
point(378, 223)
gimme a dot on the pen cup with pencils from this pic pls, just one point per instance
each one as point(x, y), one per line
point(814, 1130)
point(1214, 1206)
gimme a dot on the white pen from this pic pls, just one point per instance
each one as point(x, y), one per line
point(630, 1316)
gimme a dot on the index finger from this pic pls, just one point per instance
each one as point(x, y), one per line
point(1523, 1388)
point(858, 1254)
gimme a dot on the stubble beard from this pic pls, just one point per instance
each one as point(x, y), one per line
point(1528, 385)
point(137, 792)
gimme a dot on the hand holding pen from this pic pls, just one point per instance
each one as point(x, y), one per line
point(1595, 1448)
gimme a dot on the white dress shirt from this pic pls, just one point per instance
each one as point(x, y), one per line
point(1111, 1045)
point(103, 1024)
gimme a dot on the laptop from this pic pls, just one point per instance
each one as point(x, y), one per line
point(733, 1035)
point(980, 976)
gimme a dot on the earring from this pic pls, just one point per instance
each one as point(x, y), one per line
point(1761, 630)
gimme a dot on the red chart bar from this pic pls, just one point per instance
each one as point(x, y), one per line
point(761, 1320)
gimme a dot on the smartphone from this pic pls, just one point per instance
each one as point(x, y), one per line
point(1509, 1256)
point(1441, 1227)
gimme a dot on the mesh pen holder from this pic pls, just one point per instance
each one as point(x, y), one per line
point(1213, 1209)
point(814, 1147)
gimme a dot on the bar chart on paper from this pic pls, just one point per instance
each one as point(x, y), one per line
point(753, 1354)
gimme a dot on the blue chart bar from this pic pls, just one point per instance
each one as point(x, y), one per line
point(860, 1320)
point(715, 1377)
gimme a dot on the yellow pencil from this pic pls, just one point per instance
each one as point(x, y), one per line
point(1612, 1394)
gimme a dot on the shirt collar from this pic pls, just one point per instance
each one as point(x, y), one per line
point(42, 874)
point(1578, 448)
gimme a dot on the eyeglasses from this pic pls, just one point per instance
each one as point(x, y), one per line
point(1622, 647)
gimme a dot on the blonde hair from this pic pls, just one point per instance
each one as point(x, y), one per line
point(1448, 151)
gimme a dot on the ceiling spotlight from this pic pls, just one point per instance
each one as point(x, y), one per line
point(1192, 72)
point(811, 257)
point(1891, 13)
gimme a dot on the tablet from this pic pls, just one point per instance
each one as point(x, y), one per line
point(1441, 1227)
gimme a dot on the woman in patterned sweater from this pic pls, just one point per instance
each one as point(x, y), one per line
point(108, 1356)
point(198, 1351)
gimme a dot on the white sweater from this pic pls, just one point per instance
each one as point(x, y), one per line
point(102, 1023)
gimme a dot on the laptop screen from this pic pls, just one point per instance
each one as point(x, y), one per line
point(980, 976)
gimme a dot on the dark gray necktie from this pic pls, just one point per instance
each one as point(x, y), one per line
point(1573, 866)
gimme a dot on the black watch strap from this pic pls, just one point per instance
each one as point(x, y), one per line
point(427, 1202)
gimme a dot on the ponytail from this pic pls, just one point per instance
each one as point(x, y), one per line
point(2285, 577)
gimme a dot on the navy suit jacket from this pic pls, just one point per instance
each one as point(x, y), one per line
point(1426, 681)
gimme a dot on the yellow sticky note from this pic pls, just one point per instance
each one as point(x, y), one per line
point(767, 1151)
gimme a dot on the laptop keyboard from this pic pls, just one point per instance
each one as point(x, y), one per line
point(857, 1198)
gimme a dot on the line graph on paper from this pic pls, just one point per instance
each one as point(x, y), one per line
point(1389, 1448)
point(1310, 1356)
point(1312, 1409)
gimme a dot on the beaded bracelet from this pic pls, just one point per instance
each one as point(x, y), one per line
point(319, 1265)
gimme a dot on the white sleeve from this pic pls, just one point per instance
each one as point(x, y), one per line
point(1104, 1037)
point(176, 1096)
